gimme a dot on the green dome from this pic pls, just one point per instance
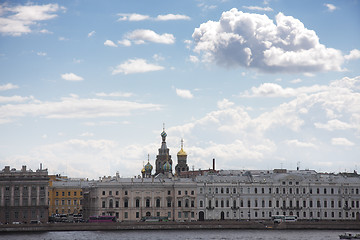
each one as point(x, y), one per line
point(167, 167)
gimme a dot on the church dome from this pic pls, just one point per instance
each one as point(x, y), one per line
point(143, 170)
point(148, 167)
point(182, 153)
point(167, 167)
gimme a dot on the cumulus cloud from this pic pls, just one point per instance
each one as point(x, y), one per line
point(141, 36)
point(276, 90)
point(168, 17)
point(184, 93)
point(250, 40)
point(14, 99)
point(136, 66)
point(74, 107)
point(341, 142)
point(354, 54)
point(71, 77)
point(8, 86)
point(110, 43)
point(18, 20)
point(330, 7)
point(193, 59)
point(132, 17)
point(125, 42)
point(266, 9)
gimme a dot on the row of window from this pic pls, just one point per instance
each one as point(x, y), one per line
point(137, 203)
point(186, 192)
point(291, 204)
point(184, 215)
point(282, 190)
point(68, 193)
point(24, 202)
point(68, 202)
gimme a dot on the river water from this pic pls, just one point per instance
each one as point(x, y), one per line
point(179, 235)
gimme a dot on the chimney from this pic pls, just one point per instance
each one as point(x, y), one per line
point(40, 166)
point(7, 169)
point(214, 164)
point(23, 169)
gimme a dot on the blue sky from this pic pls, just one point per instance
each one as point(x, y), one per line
point(85, 86)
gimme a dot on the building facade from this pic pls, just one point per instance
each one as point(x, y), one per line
point(23, 195)
point(65, 195)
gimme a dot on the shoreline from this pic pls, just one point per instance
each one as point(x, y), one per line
point(199, 225)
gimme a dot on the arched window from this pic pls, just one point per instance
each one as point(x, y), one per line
point(158, 202)
point(187, 203)
point(126, 203)
point(111, 203)
point(147, 202)
point(137, 203)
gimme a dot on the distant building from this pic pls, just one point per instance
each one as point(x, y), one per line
point(23, 195)
point(65, 195)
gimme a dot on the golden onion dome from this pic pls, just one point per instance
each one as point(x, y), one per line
point(143, 170)
point(182, 152)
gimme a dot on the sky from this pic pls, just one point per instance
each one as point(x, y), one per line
point(86, 86)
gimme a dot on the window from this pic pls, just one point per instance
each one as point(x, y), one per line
point(270, 203)
point(179, 192)
point(169, 192)
point(126, 203)
point(269, 190)
point(158, 202)
point(117, 193)
point(201, 203)
point(192, 192)
point(179, 214)
point(137, 203)
point(186, 192)
point(103, 204)
point(110, 193)
point(116, 204)
point(169, 202)
point(63, 194)
point(147, 203)
point(179, 203)
point(69, 194)
point(255, 190)
point(216, 203)
point(69, 202)
point(126, 215)
point(137, 215)
point(192, 204)
point(75, 193)
point(110, 203)
point(234, 190)
point(103, 193)
point(57, 194)
point(126, 193)
point(262, 190)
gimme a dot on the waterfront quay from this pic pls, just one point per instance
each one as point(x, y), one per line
point(204, 225)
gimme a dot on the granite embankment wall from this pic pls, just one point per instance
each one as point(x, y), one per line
point(321, 225)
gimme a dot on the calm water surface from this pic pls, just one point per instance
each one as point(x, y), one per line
point(175, 235)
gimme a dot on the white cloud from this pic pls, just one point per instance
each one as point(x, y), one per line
point(297, 80)
point(251, 40)
point(341, 142)
point(193, 59)
point(110, 43)
point(140, 17)
point(132, 17)
point(71, 77)
point(333, 125)
point(225, 103)
point(354, 54)
point(14, 99)
point(297, 143)
point(276, 90)
point(330, 7)
point(168, 17)
point(141, 36)
point(266, 9)
point(17, 20)
point(114, 94)
point(8, 86)
point(75, 107)
point(136, 66)
point(87, 134)
point(92, 33)
point(125, 42)
point(184, 93)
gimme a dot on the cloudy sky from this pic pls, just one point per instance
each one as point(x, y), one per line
point(85, 86)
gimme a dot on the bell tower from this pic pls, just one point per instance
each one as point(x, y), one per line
point(182, 160)
point(163, 156)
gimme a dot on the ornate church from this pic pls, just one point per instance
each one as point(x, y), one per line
point(164, 163)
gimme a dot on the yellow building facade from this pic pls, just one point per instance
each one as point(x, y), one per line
point(65, 195)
